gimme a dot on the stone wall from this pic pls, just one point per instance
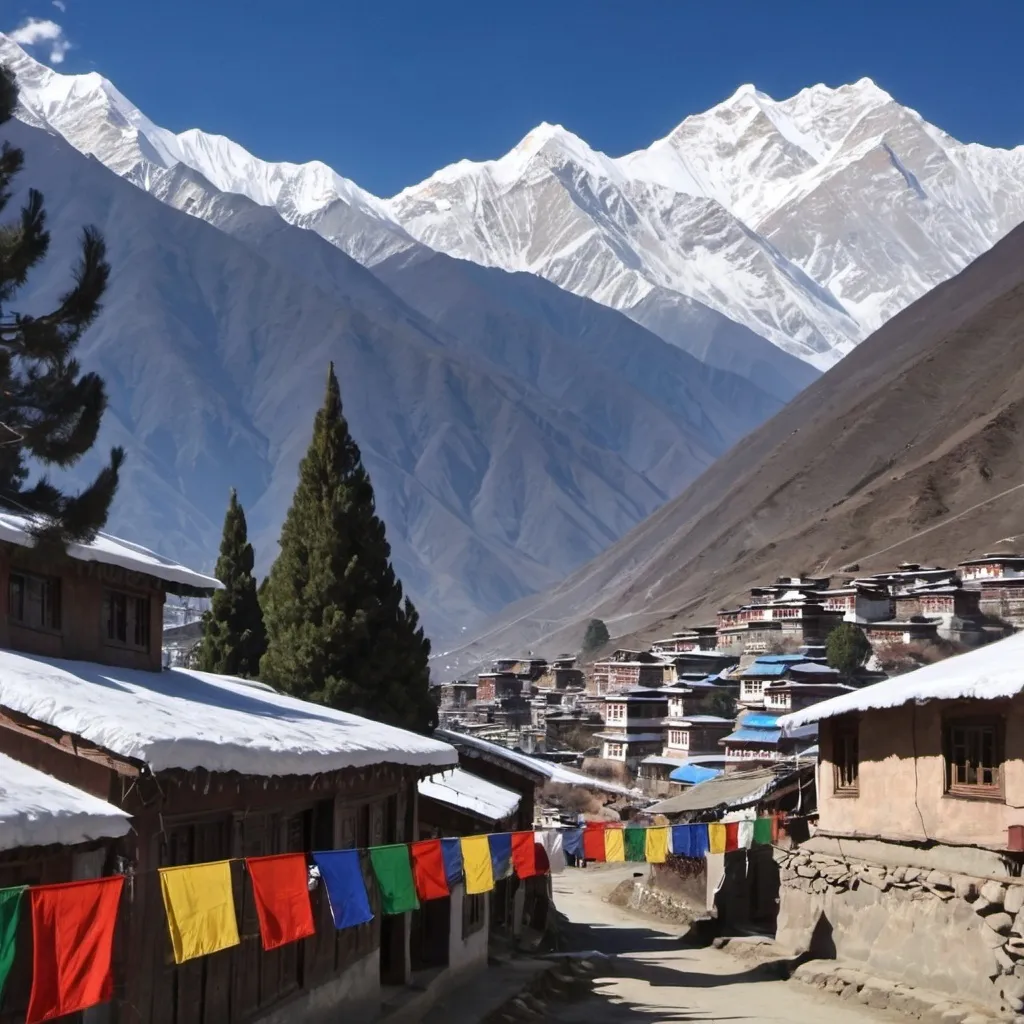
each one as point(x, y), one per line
point(948, 933)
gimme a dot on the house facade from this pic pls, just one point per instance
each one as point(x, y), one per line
point(624, 670)
point(920, 783)
point(633, 726)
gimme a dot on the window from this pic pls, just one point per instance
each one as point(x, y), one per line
point(753, 687)
point(34, 601)
point(974, 756)
point(845, 758)
point(614, 750)
point(126, 619)
point(678, 738)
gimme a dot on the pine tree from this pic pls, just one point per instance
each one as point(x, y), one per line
point(50, 411)
point(595, 637)
point(339, 629)
point(234, 638)
point(847, 647)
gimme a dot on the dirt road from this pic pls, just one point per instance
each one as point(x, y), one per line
point(653, 978)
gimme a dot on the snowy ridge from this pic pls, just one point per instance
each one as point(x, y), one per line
point(39, 810)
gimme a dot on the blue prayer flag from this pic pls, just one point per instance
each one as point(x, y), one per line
point(699, 840)
point(451, 851)
point(342, 876)
point(501, 853)
point(572, 842)
point(681, 841)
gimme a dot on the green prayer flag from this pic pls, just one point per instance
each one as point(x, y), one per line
point(636, 843)
point(10, 914)
point(763, 831)
point(393, 868)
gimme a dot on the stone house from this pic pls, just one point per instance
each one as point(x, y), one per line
point(208, 768)
point(999, 582)
point(991, 566)
point(859, 601)
point(892, 633)
point(498, 685)
point(792, 619)
point(696, 638)
point(625, 669)
point(915, 867)
point(634, 726)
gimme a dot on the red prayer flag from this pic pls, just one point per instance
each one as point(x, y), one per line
point(732, 836)
point(281, 890)
point(72, 946)
point(528, 856)
point(593, 841)
point(428, 869)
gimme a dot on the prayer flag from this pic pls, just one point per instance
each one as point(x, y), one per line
point(10, 915)
point(716, 837)
point(476, 859)
point(681, 844)
point(698, 840)
point(528, 857)
point(593, 841)
point(200, 907)
point(745, 837)
point(572, 842)
point(500, 844)
point(614, 845)
point(342, 875)
point(732, 836)
point(72, 946)
point(763, 831)
point(451, 850)
point(656, 846)
point(280, 887)
point(393, 870)
point(636, 843)
point(428, 869)
point(552, 841)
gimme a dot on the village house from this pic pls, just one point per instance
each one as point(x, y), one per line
point(898, 633)
point(498, 684)
point(694, 734)
point(920, 789)
point(625, 669)
point(696, 638)
point(209, 768)
point(999, 581)
point(563, 674)
point(698, 664)
point(757, 740)
point(859, 601)
point(634, 723)
point(776, 621)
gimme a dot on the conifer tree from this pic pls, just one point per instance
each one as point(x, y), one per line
point(234, 638)
point(339, 629)
point(50, 411)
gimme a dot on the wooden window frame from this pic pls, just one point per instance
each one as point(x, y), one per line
point(134, 626)
point(55, 602)
point(846, 758)
point(978, 725)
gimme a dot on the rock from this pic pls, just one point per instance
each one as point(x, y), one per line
point(1013, 901)
point(993, 893)
point(876, 992)
point(911, 874)
point(992, 939)
point(938, 880)
point(1012, 987)
point(806, 871)
point(1015, 1004)
point(965, 888)
point(1018, 923)
point(1000, 922)
point(1015, 946)
point(1005, 961)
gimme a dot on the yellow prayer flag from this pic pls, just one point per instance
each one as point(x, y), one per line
point(656, 845)
point(716, 837)
point(476, 863)
point(200, 909)
point(614, 844)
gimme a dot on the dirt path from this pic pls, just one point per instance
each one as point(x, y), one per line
point(653, 978)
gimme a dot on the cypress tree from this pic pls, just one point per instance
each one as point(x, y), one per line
point(50, 411)
point(339, 630)
point(234, 638)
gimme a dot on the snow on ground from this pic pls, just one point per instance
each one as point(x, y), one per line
point(463, 790)
point(184, 719)
point(991, 672)
point(109, 550)
point(39, 810)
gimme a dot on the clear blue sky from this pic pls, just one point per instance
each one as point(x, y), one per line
point(387, 91)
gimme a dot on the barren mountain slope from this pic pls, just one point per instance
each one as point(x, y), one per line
point(920, 424)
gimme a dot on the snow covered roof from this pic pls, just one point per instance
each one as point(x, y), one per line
point(675, 762)
point(630, 737)
point(466, 791)
point(813, 668)
point(988, 673)
point(15, 529)
point(545, 769)
point(703, 720)
point(184, 719)
point(39, 810)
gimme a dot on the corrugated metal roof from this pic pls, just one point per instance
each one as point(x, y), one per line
point(756, 720)
point(772, 659)
point(694, 774)
point(756, 671)
point(732, 789)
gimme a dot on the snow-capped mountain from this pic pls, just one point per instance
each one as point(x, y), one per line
point(811, 220)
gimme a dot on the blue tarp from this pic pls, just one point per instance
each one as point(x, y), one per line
point(693, 773)
point(754, 736)
point(758, 669)
point(772, 659)
point(753, 720)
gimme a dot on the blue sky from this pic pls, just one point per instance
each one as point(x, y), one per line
point(387, 91)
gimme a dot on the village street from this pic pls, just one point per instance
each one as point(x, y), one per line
point(654, 978)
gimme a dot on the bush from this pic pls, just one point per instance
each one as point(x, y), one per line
point(595, 637)
point(847, 648)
